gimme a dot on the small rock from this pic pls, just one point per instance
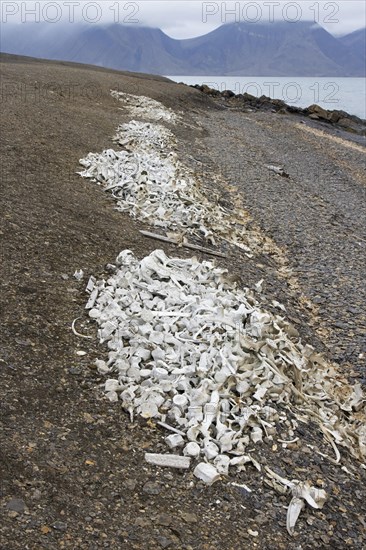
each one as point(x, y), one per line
point(74, 370)
point(130, 484)
point(341, 325)
point(16, 505)
point(88, 418)
point(318, 111)
point(348, 124)
point(60, 526)
point(164, 519)
point(189, 517)
point(151, 488)
point(142, 522)
point(164, 542)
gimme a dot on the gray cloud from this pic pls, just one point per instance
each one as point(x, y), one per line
point(184, 19)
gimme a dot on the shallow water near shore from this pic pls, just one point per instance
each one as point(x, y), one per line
point(346, 94)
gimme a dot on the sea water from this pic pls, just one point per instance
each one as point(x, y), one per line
point(346, 94)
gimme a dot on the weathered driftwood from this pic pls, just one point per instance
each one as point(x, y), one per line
point(186, 245)
point(171, 461)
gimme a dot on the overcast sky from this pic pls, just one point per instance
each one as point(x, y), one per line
point(185, 19)
point(190, 18)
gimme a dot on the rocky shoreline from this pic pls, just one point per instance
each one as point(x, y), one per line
point(247, 102)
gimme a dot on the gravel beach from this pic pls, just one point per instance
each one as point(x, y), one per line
point(72, 466)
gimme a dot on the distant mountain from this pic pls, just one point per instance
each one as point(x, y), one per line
point(356, 43)
point(115, 46)
point(280, 49)
point(240, 49)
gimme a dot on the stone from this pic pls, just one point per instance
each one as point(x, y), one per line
point(164, 519)
point(335, 116)
point(142, 522)
point(16, 505)
point(60, 526)
point(151, 488)
point(249, 97)
point(164, 542)
point(130, 484)
point(227, 93)
point(188, 517)
point(319, 111)
point(348, 124)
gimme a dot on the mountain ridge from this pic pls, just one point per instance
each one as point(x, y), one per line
point(234, 49)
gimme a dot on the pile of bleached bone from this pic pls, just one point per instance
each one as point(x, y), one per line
point(147, 179)
point(197, 354)
point(145, 107)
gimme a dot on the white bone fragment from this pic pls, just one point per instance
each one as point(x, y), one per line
point(149, 409)
point(279, 170)
point(303, 491)
point(79, 274)
point(168, 460)
point(313, 496)
point(112, 385)
point(256, 434)
point(93, 296)
point(260, 393)
point(101, 366)
point(112, 396)
point(94, 313)
point(210, 450)
point(222, 463)
point(91, 284)
point(76, 332)
point(174, 440)
point(242, 486)
point(180, 400)
point(107, 330)
point(207, 473)
point(259, 286)
point(293, 512)
point(288, 442)
point(192, 449)
point(171, 428)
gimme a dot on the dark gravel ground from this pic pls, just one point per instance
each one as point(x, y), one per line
point(72, 466)
point(317, 216)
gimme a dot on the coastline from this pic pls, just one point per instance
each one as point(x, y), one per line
point(338, 119)
point(344, 94)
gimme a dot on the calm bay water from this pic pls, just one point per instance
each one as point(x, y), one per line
point(346, 94)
